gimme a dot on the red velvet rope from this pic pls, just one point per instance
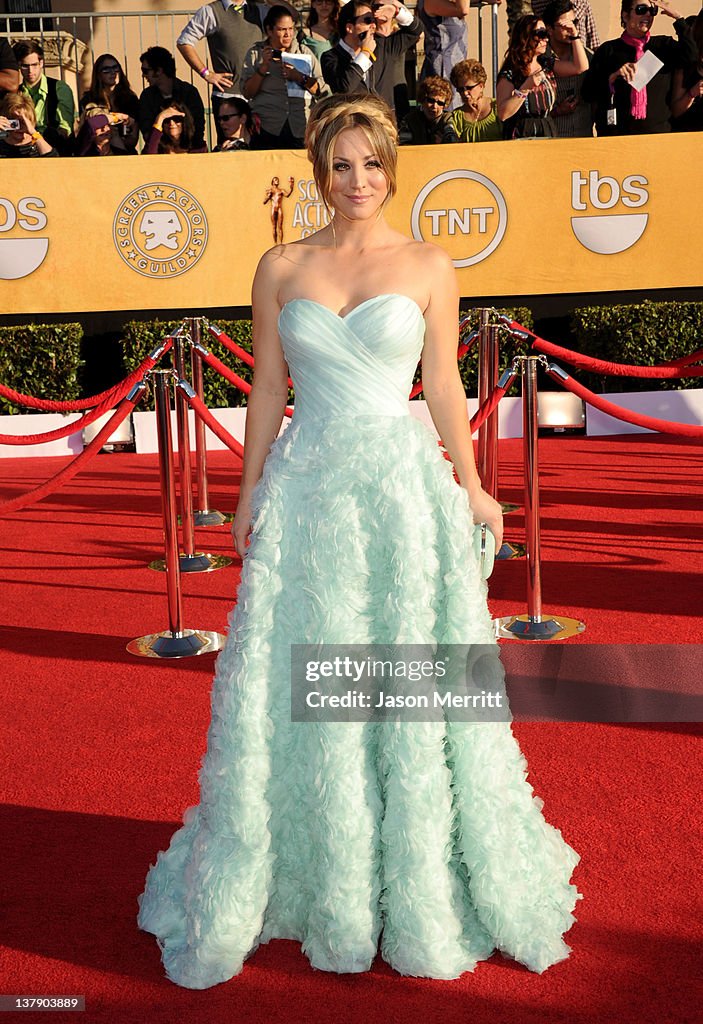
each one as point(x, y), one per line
point(583, 362)
point(235, 349)
point(695, 357)
point(485, 410)
point(639, 419)
point(201, 410)
point(75, 426)
point(230, 375)
point(69, 471)
point(112, 395)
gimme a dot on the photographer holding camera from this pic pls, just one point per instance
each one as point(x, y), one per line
point(527, 81)
point(18, 129)
point(280, 77)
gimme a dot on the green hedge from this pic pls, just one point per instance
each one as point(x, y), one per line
point(41, 360)
point(646, 334)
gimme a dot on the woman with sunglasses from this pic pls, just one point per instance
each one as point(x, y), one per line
point(620, 108)
point(174, 132)
point(429, 122)
point(236, 124)
point(110, 91)
point(476, 120)
point(527, 88)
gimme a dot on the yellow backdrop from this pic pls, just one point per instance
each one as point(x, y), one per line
point(516, 217)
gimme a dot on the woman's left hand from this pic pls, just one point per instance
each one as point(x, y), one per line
point(292, 74)
point(487, 510)
point(669, 10)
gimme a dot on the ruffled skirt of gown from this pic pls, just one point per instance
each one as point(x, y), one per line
point(422, 838)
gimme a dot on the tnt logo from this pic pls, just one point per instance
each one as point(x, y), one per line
point(465, 212)
point(24, 252)
point(608, 233)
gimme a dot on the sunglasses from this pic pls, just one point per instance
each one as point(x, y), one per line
point(541, 33)
point(228, 117)
point(641, 9)
point(434, 101)
point(175, 119)
point(109, 69)
point(468, 88)
point(366, 19)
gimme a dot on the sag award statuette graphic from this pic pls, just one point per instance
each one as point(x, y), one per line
point(160, 230)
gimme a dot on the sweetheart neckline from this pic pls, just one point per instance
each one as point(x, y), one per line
point(364, 302)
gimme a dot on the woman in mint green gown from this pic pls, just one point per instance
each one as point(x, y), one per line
point(421, 840)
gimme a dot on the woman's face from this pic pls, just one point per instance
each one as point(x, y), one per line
point(358, 187)
point(638, 25)
point(23, 135)
point(173, 127)
point(433, 107)
point(323, 7)
point(109, 73)
point(471, 93)
point(281, 35)
point(230, 120)
point(539, 38)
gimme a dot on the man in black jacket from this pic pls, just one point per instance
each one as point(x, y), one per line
point(362, 61)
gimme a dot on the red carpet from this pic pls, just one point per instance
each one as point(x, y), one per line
point(100, 753)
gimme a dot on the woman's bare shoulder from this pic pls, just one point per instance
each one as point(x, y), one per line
point(432, 256)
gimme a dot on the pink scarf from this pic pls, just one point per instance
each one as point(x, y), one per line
point(638, 99)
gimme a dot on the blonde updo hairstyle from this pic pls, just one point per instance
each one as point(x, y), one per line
point(339, 113)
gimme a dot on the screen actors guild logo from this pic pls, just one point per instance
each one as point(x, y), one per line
point(160, 230)
point(275, 195)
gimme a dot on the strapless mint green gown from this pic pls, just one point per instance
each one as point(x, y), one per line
point(423, 841)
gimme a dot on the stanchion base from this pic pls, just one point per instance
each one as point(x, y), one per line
point(508, 507)
point(523, 627)
point(508, 550)
point(167, 645)
point(211, 517)
point(199, 562)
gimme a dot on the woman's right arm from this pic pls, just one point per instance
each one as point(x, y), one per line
point(267, 400)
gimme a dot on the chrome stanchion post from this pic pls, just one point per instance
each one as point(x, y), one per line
point(203, 515)
point(488, 432)
point(533, 626)
point(175, 642)
point(494, 46)
point(185, 474)
point(531, 479)
point(191, 560)
point(488, 360)
point(484, 390)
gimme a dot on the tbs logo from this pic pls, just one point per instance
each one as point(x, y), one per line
point(21, 256)
point(608, 233)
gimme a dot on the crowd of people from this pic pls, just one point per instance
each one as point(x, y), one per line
point(267, 69)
